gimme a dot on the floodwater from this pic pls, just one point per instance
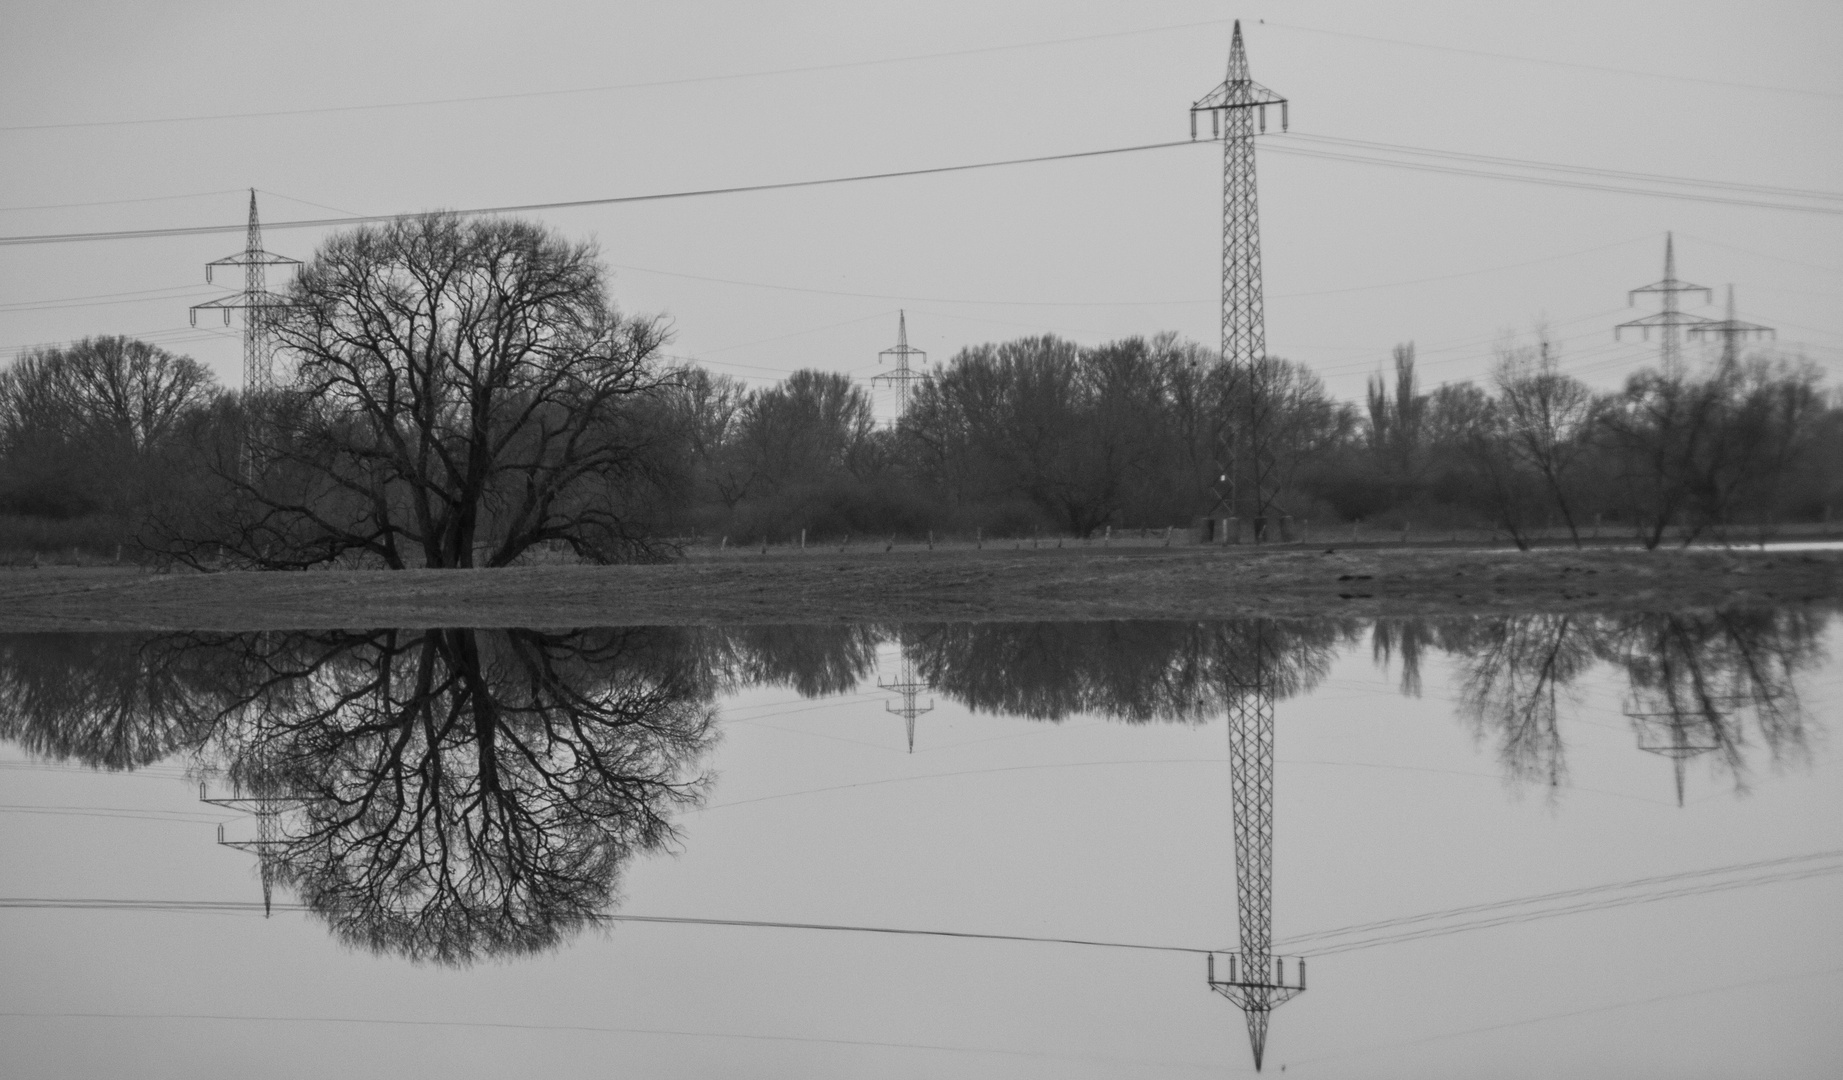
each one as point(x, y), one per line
point(1511, 846)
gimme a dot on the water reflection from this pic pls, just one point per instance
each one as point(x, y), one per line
point(443, 795)
point(454, 794)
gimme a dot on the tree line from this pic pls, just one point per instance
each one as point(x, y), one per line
point(466, 393)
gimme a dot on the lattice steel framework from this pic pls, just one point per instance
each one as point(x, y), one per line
point(270, 843)
point(256, 302)
point(1256, 980)
point(911, 687)
point(903, 374)
point(1669, 321)
point(1244, 448)
point(1732, 332)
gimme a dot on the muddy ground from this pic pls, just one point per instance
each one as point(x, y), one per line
point(872, 585)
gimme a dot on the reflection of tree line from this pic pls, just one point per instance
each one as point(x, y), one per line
point(1706, 681)
point(457, 793)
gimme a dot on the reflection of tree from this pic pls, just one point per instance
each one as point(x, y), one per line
point(1513, 677)
point(1696, 679)
point(1696, 682)
point(1134, 671)
point(814, 661)
point(111, 701)
point(456, 793)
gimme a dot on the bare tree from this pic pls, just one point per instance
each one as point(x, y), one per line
point(462, 391)
point(90, 425)
point(1545, 417)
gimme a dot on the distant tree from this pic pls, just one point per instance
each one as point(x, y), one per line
point(463, 391)
point(1545, 418)
point(1397, 425)
point(93, 426)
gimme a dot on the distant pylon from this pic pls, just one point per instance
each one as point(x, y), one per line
point(1669, 320)
point(1246, 464)
point(910, 687)
point(1254, 978)
point(256, 302)
point(903, 374)
point(1732, 332)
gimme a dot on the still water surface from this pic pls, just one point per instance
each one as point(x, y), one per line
point(1599, 846)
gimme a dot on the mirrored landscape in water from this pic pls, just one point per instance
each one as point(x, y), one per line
point(1605, 845)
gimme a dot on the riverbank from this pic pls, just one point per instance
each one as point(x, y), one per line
point(872, 585)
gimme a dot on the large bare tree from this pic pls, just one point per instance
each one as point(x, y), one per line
point(462, 391)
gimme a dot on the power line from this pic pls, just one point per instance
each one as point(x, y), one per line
point(1555, 63)
point(362, 219)
point(118, 202)
point(1589, 170)
point(1553, 181)
point(650, 84)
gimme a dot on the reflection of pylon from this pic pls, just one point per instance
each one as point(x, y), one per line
point(1254, 978)
point(1668, 321)
point(1244, 444)
point(255, 301)
point(269, 844)
point(910, 687)
point(1680, 734)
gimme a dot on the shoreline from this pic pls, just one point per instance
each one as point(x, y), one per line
point(949, 585)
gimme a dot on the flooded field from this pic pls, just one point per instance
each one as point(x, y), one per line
point(1549, 844)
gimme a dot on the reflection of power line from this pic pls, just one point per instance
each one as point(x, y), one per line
point(1254, 978)
point(1550, 905)
point(910, 686)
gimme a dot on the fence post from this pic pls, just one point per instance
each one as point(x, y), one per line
point(802, 539)
point(930, 539)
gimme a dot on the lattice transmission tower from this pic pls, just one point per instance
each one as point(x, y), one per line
point(1245, 466)
point(269, 843)
point(911, 688)
point(1732, 332)
point(902, 375)
point(1254, 978)
point(1669, 320)
point(256, 302)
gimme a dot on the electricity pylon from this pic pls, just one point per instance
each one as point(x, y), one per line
point(1254, 978)
point(1732, 332)
point(269, 844)
point(903, 374)
point(910, 687)
point(255, 301)
point(1244, 446)
point(1668, 320)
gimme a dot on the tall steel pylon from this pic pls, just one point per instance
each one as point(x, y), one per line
point(903, 374)
point(910, 687)
point(255, 301)
point(1254, 978)
point(1244, 445)
point(1669, 321)
point(1732, 332)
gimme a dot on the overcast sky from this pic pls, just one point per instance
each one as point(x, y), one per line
point(1358, 256)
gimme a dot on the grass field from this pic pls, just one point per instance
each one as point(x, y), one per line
point(871, 585)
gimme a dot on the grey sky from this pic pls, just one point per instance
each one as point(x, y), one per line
point(974, 257)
